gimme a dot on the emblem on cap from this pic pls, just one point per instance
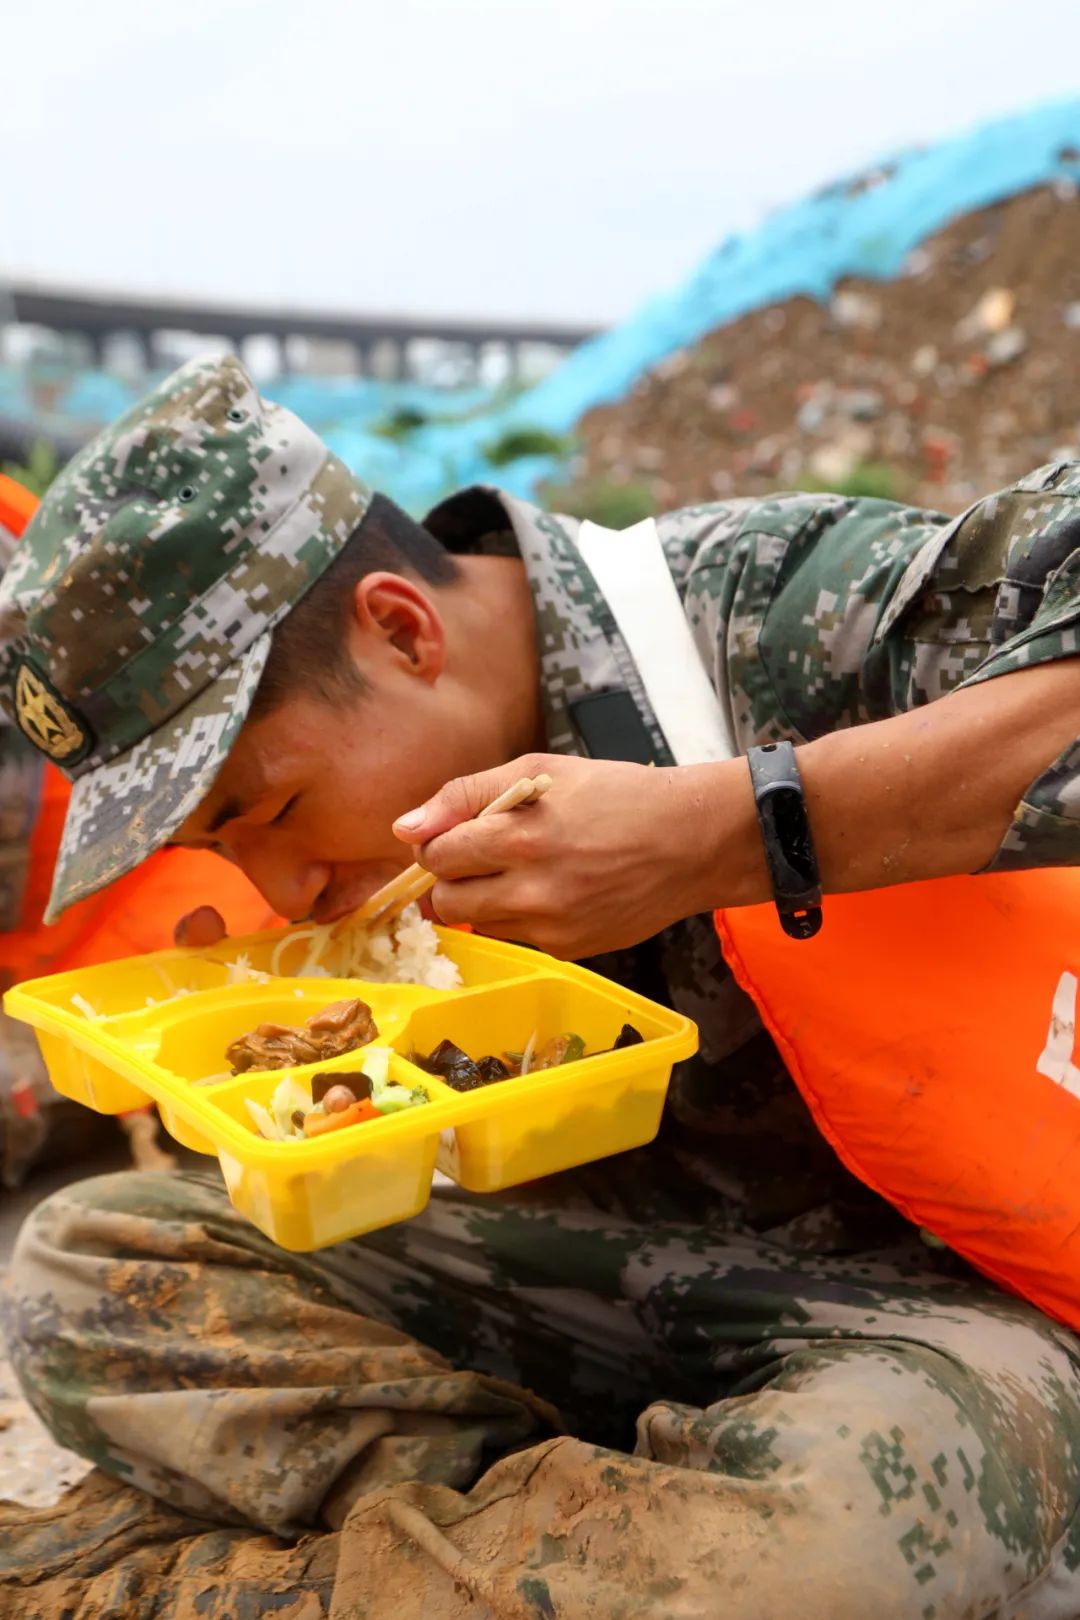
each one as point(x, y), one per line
point(49, 722)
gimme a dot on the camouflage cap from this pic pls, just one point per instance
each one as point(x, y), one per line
point(135, 618)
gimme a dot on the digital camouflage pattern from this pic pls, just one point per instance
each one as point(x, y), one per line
point(21, 770)
point(20, 795)
point(822, 613)
point(754, 1430)
point(817, 612)
point(714, 1377)
point(24, 1085)
point(135, 618)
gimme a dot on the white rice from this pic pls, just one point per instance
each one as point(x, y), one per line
point(406, 951)
point(242, 972)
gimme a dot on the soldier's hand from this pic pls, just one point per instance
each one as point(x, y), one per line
point(609, 856)
point(202, 927)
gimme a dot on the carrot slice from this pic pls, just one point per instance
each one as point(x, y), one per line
point(355, 1114)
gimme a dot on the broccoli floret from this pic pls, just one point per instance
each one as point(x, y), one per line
point(389, 1098)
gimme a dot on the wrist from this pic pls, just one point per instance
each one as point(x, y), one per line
point(787, 841)
point(725, 859)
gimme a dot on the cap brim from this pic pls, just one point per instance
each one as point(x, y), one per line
point(123, 811)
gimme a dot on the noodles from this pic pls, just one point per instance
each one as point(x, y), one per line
point(405, 952)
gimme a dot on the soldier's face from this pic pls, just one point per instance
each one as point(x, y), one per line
point(307, 798)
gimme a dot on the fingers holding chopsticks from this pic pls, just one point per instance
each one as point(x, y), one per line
point(415, 882)
point(613, 853)
point(467, 798)
point(484, 846)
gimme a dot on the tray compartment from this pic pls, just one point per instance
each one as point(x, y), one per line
point(152, 1044)
point(193, 1034)
point(521, 1129)
point(307, 1194)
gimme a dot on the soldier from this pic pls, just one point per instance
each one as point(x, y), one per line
point(24, 1086)
point(715, 1376)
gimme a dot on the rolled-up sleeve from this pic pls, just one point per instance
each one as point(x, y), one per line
point(1037, 621)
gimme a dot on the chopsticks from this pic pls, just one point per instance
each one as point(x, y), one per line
point(416, 880)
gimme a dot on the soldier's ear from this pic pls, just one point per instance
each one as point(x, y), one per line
point(404, 622)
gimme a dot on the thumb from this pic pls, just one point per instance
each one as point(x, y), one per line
point(460, 800)
point(201, 928)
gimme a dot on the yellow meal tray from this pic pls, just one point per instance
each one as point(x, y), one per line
point(155, 1028)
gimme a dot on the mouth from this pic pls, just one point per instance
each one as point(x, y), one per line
point(332, 912)
point(338, 901)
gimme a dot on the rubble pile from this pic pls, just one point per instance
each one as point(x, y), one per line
point(950, 381)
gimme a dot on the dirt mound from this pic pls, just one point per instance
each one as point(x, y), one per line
point(937, 387)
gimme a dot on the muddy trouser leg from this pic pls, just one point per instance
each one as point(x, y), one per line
point(835, 1438)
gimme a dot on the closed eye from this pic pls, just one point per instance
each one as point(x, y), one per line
point(283, 812)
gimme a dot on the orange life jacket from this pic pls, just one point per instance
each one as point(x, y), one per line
point(136, 914)
point(931, 1028)
point(17, 505)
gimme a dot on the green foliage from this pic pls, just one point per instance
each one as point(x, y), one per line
point(400, 423)
point(874, 479)
point(516, 443)
point(406, 419)
point(602, 500)
point(38, 472)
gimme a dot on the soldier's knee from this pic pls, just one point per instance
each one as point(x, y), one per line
point(62, 1257)
point(69, 1220)
point(58, 1299)
point(863, 1458)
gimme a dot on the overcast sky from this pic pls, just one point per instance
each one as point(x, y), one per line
point(504, 157)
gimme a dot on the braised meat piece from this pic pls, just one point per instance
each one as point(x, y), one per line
point(341, 1027)
point(270, 1046)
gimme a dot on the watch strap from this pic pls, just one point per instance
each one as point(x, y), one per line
point(786, 836)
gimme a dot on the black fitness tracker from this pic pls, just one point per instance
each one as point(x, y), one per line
point(785, 832)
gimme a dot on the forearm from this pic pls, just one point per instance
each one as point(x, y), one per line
point(616, 852)
point(926, 794)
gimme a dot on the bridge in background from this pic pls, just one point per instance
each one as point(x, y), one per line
point(384, 345)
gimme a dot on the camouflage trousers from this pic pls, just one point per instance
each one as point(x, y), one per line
point(569, 1404)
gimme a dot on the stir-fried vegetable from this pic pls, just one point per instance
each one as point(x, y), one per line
point(334, 1101)
point(464, 1073)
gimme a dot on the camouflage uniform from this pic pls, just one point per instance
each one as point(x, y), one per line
point(26, 1097)
point(756, 1392)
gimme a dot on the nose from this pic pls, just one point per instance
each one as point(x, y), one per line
point(291, 886)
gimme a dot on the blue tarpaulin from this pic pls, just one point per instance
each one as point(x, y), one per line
point(863, 226)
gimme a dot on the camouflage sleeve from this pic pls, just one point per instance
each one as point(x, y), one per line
point(1045, 829)
point(785, 597)
point(1035, 527)
point(25, 1091)
point(818, 612)
point(21, 770)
